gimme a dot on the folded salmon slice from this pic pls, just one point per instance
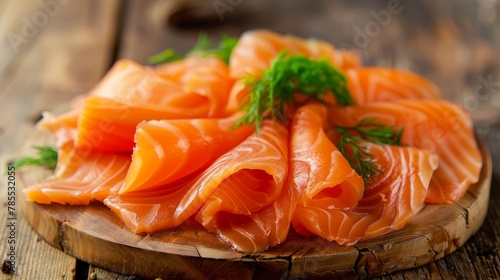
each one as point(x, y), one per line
point(81, 176)
point(207, 77)
point(382, 84)
point(64, 126)
point(120, 82)
point(257, 49)
point(252, 232)
point(168, 150)
point(320, 172)
point(110, 125)
point(150, 211)
point(247, 200)
point(389, 203)
point(435, 125)
point(243, 184)
point(258, 165)
point(131, 93)
point(199, 82)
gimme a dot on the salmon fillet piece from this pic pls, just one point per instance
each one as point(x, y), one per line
point(435, 125)
point(387, 205)
point(168, 150)
point(81, 176)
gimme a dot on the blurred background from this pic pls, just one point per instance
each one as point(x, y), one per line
point(54, 50)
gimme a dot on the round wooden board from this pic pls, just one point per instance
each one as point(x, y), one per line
point(95, 235)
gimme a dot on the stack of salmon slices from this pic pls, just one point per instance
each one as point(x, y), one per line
point(158, 146)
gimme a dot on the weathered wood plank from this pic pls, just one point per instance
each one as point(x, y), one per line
point(96, 273)
point(69, 51)
point(34, 258)
point(68, 60)
point(16, 32)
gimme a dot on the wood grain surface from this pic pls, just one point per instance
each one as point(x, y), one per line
point(453, 43)
point(49, 66)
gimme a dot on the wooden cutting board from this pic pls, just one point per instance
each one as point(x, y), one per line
point(95, 235)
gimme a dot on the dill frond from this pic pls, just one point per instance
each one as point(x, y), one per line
point(275, 90)
point(368, 129)
point(47, 157)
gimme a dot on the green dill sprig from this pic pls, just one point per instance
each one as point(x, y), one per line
point(222, 51)
point(203, 47)
point(272, 93)
point(47, 157)
point(165, 56)
point(368, 129)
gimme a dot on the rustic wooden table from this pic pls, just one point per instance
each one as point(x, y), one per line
point(53, 50)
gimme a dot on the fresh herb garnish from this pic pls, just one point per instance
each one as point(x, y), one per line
point(165, 56)
point(222, 51)
point(368, 129)
point(203, 47)
point(272, 93)
point(47, 157)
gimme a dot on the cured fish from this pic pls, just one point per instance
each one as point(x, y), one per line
point(242, 185)
point(158, 146)
point(257, 49)
point(319, 171)
point(206, 78)
point(168, 150)
point(332, 202)
point(388, 204)
point(109, 125)
point(81, 176)
point(239, 194)
point(131, 93)
point(431, 124)
point(375, 84)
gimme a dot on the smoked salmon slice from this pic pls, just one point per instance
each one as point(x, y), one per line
point(374, 84)
point(62, 127)
point(256, 50)
point(168, 150)
point(243, 195)
point(110, 125)
point(207, 77)
point(259, 230)
point(320, 172)
point(126, 81)
point(150, 211)
point(158, 146)
point(256, 170)
point(243, 183)
point(126, 97)
point(388, 204)
point(435, 125)
point(81, 176)
point(115, 84)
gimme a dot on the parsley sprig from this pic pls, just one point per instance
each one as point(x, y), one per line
point(368, 129)
point(274, 91)
point(203, 47)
